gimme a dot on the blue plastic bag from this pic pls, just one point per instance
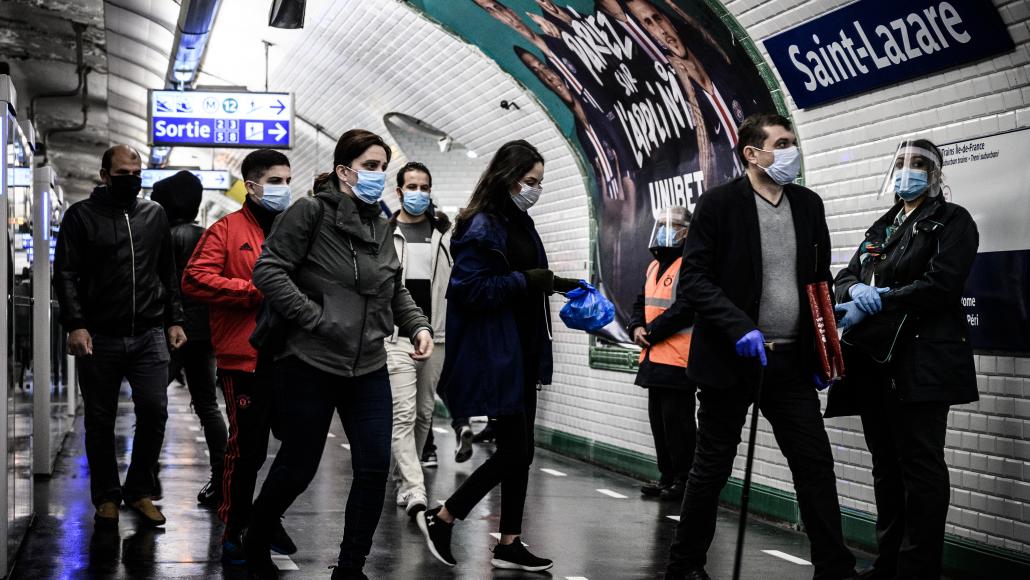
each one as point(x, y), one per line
point(586, 309)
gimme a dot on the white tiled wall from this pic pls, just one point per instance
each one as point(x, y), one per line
point(342, 81)
point(847, 146)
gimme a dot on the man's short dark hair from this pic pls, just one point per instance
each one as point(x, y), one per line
point(413, 166)
point(751, 132)
point(256, 163)
point(108, 157)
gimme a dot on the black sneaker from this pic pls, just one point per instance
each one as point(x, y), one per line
point(674, 492)
point(652, 489)
point(430, 460)
point(438, 535)
point(259, 559)
point(232, 551)
point(485, 435)
point(280, 542)
point(515, 556)
point(463, 447)
point(695, 574)
point(210, 495)
point(347, 573)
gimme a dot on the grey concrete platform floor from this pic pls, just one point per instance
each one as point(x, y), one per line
point(592, 522)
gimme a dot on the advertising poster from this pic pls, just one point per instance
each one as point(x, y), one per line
point(651, 93)
point(989, 177)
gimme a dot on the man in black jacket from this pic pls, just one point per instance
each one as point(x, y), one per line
point(114, 276)
point(753, 245)
point(180, 196)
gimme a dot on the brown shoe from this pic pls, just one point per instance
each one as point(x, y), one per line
point(148, 511)
point(107, 515)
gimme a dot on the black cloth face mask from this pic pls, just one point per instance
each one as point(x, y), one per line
point(124, 188)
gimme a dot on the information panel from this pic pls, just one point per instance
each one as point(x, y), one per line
point(211, 179)
point(221, 119)
point(989, 177)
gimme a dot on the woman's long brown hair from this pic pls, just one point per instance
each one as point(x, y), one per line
point(511, 162)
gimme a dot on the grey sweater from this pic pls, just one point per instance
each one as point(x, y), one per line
point(778, 311)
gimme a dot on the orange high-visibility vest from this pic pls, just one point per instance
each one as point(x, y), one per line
point(659, 294)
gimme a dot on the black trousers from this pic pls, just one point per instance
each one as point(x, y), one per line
point(910, 482)
point(508, 466)
point(790, 403)
point(305, 399)
point(197, 357)
point(248, 403)
point(671, 414)
point(143, 361)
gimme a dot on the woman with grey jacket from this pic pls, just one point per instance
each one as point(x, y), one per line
point(330, 270)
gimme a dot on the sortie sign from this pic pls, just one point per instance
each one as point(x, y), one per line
point(875, 43)
point(221, 119)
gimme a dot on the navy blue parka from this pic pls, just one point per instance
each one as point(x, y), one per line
point(484, 370)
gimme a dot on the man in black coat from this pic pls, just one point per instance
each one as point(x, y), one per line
point(753, 245)
point(114, 276)
point(180, 196)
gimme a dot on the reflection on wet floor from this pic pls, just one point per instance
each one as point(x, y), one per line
point(591, 521)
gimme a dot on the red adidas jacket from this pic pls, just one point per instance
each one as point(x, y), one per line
point(220, 274)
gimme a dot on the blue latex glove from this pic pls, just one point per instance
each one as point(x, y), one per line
point(820, 383)
point(752, 345)
point(853, 314)
point(867, 297)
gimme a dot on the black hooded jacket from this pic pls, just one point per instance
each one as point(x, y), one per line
point(180, 196)
point(925, 264)
point(114, 272)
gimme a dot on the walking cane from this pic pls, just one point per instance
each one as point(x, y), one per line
point(745, 491)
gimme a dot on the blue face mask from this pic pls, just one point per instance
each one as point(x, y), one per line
point(275, 197)
point(370, 185)
point(666, 237)
point(415, 202)
point(915, 183)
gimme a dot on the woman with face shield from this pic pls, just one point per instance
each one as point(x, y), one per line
point(661, 326)
point(908, 357)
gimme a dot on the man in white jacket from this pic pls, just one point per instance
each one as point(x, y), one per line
point(422, 240)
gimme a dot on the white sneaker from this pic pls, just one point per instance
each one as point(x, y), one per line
point(416, 504)
point(403, 497)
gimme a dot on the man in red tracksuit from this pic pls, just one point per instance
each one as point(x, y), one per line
point(220, 275)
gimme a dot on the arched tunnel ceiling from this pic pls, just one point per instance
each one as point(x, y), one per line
point(361, 60)
point(38, 42)
point(125, 44)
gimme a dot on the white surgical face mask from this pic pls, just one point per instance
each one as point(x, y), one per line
point(785, 166)
point(527, 196)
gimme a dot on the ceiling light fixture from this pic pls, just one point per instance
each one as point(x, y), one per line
point(287, 14)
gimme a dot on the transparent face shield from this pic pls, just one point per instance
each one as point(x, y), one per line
point(670, 228)
point(914, 171)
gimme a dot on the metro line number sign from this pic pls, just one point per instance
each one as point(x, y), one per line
point(220, 119)
point(875, 43)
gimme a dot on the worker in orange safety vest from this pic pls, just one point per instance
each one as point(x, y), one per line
point(661, 327)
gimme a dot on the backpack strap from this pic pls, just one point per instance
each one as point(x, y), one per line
point(318, 224)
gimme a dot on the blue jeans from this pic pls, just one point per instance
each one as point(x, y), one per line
point(143, 361)
point(304, 401)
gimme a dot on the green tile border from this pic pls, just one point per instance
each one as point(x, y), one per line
point(969, 558)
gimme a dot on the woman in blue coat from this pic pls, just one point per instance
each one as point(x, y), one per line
point(498, 345)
